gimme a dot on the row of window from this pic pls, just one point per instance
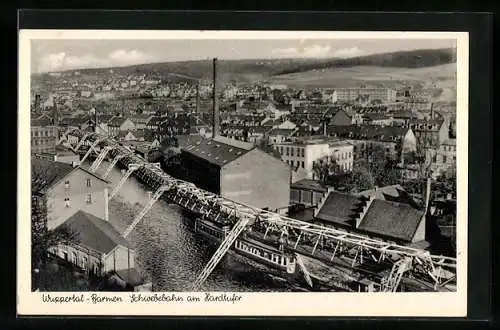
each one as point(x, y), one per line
point(81, 262)
point(291, 151)
point(67, 185)
point(211, 231)
point(88, 200)
point(306, 197)
point(295, 163)
point(444, 159)
point(449, 148)
point(43, 141)
point(344, 155)
point(42, 133)
point(275, 258)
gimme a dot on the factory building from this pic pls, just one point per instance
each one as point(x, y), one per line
point(238, 171)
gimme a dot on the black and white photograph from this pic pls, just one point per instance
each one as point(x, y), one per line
point(292, 162)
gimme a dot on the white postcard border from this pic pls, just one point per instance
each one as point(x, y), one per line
point(251, 304)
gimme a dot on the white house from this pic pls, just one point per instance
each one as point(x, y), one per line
point(304, 153)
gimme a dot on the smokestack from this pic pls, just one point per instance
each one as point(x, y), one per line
point(432, 110)
point(197, 111)
point(95, 120)
point(215, 113)
point(37, 103)
point(427, 193)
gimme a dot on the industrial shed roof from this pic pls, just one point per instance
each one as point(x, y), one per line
point(219, 150)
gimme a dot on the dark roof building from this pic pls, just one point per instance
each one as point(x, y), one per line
point(391, 220)
point(373, 214)
point(393, 193)
point(219, 151)
point(340, 209)
point(236, 170)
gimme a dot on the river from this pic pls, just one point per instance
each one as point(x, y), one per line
point(170, 254)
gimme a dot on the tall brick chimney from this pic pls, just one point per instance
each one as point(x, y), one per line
point(215, 113)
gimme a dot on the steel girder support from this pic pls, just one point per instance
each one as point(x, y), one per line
point(97, 162)
point(113, 163)
point(131, 169)
point(369, 245)
point(92, 148)
point(146, 209)
point(221, 251)
point(82, 141)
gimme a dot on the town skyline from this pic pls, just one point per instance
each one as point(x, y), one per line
point(73, 54)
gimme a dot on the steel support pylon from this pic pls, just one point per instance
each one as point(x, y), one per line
point(131, 169)
point(392, 281)
point(158, 193)
point(221, 251)
point(92, 147)
point(113, 163)
point(81, 142)
point(97, 162)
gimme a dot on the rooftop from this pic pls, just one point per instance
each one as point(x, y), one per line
point(281, 131)
point(340, 208)
point(219, 150)
point(46, 173)
point(394, 193)
point(391, 219)
point(130, 276)
point(309, 184)
point(368, 132)
point(94, 232)
point(117, 121)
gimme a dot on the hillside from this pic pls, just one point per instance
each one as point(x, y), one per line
point(370, 75)
point(247, 71)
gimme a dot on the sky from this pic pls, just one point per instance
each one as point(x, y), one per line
point(56, 55)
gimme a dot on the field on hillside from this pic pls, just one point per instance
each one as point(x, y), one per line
point(368, 74)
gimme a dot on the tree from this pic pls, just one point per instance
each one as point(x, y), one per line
point(359, 179)
point(325, 167)
point(41, 238)
point(382, 167)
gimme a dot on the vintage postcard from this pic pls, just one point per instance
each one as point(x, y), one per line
point(242, 173)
